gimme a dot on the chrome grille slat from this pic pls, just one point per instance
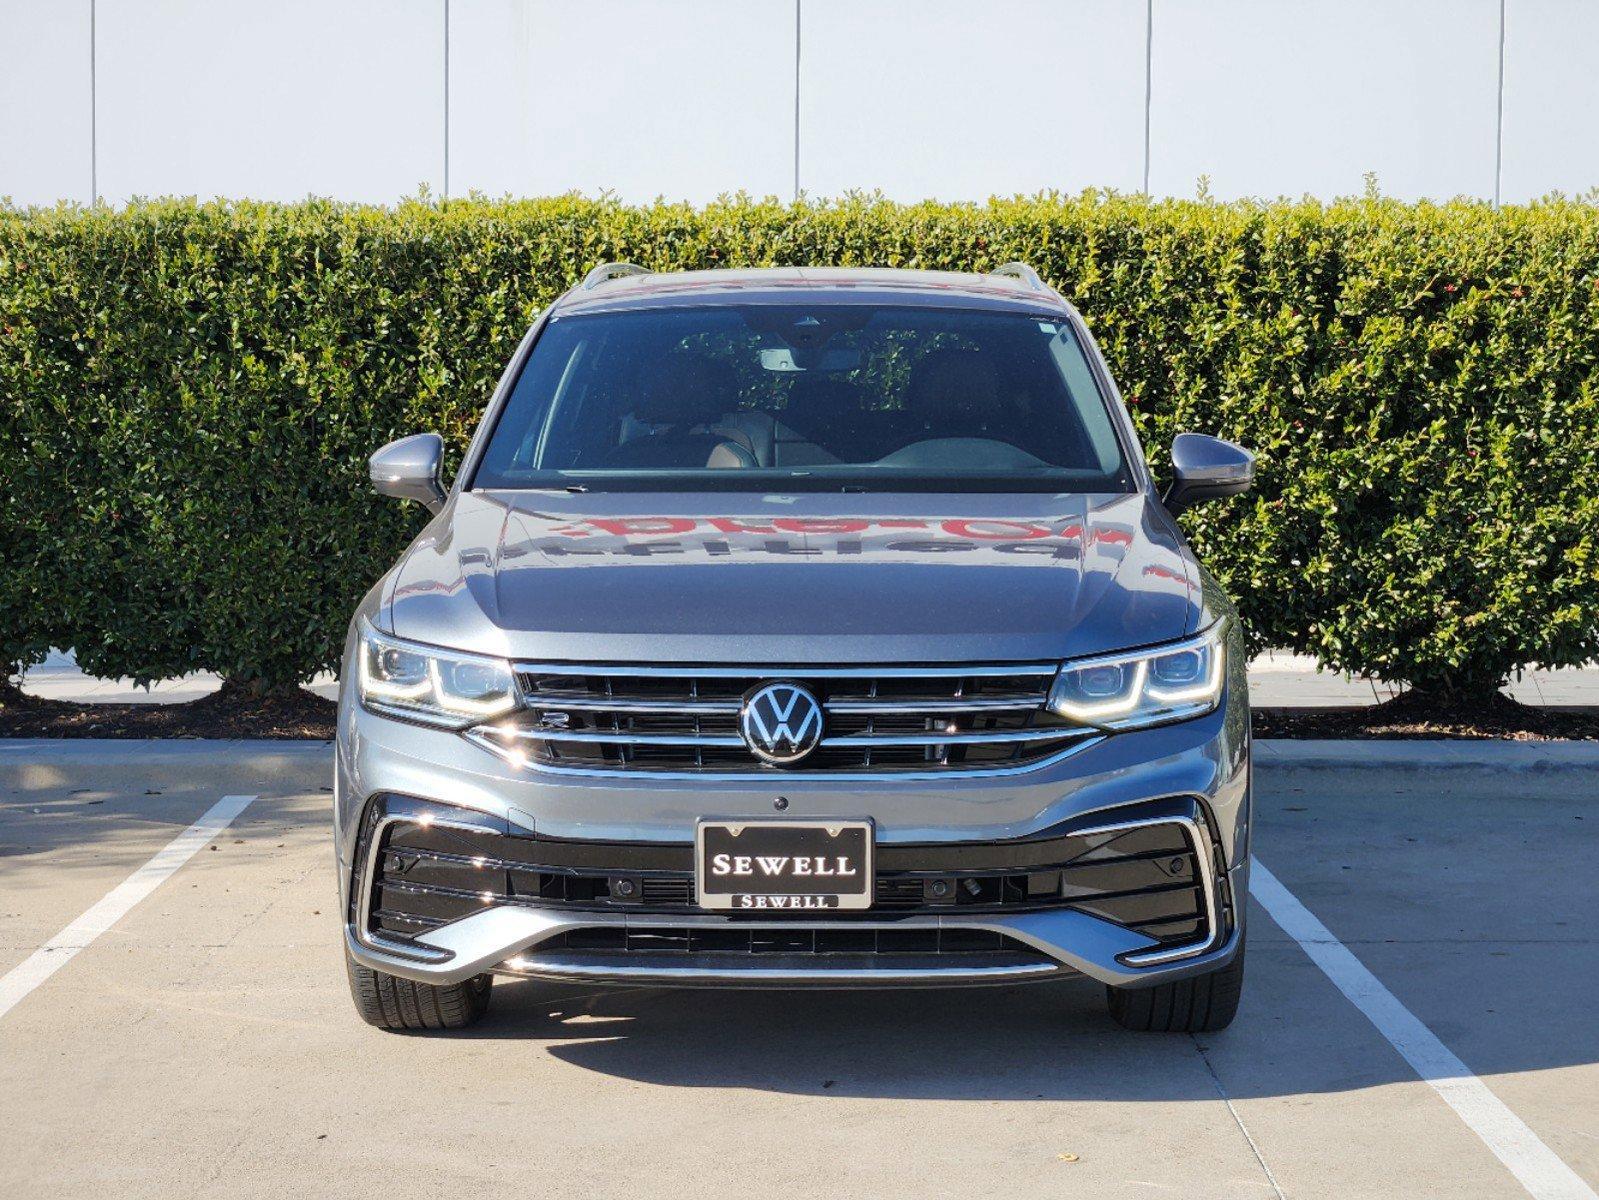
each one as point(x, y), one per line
point(878, 720)
point(686, 671)
point(618, 704)
point(930, 704)
point(624, 737)
point(933, 704)
point(865, 740)
point(987, 737)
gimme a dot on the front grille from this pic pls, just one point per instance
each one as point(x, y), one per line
point(1146, 878)
point(882, 720)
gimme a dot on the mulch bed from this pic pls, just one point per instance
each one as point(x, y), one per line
point(301, 714)
point(223, 714)
point(1413, 715)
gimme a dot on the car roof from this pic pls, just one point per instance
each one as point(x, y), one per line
point(804, 285)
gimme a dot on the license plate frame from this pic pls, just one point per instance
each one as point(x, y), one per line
point(785, 890)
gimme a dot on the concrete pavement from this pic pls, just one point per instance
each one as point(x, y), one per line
point(205, 1043)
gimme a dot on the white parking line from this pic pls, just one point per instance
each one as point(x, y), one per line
point(1539, 1169)
point(110, 908)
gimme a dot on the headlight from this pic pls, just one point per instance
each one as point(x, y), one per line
point(1145, 687)
point(436, 687)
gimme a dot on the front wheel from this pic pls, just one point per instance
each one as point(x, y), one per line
point(1198, 1004)
point(389, 1002)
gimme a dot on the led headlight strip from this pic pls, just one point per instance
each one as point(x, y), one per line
point(1144, 687)
point(423, 683)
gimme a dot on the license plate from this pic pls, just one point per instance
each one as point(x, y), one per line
point(775, 866)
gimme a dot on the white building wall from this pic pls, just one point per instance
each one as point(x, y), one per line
point(1551, 97)
point(1284, 97)
point(638, 97)
point(960, 100)
point(946, 99)
point(45, 105)
point(269, 98)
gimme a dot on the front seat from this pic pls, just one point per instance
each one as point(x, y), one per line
point(686, 397)
point(955, 393)
point(822, 409)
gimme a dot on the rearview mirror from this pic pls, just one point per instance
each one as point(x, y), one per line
point(1204, 468)
point(409, 469)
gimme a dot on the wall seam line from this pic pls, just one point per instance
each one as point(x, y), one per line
point(797, 43)
point(1149, 81)
point(1499, 114)
point(446, 99)
point(94, 107)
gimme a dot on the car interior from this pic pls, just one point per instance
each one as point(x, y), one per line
point(891, 392)
point(957, 411)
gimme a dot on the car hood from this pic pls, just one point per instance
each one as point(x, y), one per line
point(808, 578)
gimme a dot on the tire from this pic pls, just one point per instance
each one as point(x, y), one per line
point(1199, 1004)
point(390, 1002)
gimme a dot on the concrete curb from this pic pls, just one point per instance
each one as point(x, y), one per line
point(231, 766)
point(264, 754)
point(1425, 754)
point(102, 752)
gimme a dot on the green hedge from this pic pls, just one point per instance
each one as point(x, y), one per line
point(188, 394)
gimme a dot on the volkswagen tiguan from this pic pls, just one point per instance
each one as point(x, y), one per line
point(798, 628)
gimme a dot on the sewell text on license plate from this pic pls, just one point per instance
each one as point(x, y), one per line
point(765, 866)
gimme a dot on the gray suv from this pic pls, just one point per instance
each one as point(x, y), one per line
point(798, 628)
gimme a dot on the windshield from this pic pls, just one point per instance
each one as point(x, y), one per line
point(797, 397)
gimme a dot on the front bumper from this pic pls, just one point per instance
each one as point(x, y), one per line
point(507, 940)
point(442, 893)
point(1195, 773)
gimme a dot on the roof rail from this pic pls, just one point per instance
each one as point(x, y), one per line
point(611, 270)
point(1020, 270)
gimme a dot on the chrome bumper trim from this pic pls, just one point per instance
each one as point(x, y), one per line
point(1204, 851)
point(915, 971)
point(486, 940)
point(363, 909)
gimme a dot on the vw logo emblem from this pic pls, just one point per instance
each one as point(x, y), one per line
point(781, 722)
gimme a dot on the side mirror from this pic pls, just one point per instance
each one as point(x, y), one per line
point(1204, 468)
point(409, 469)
